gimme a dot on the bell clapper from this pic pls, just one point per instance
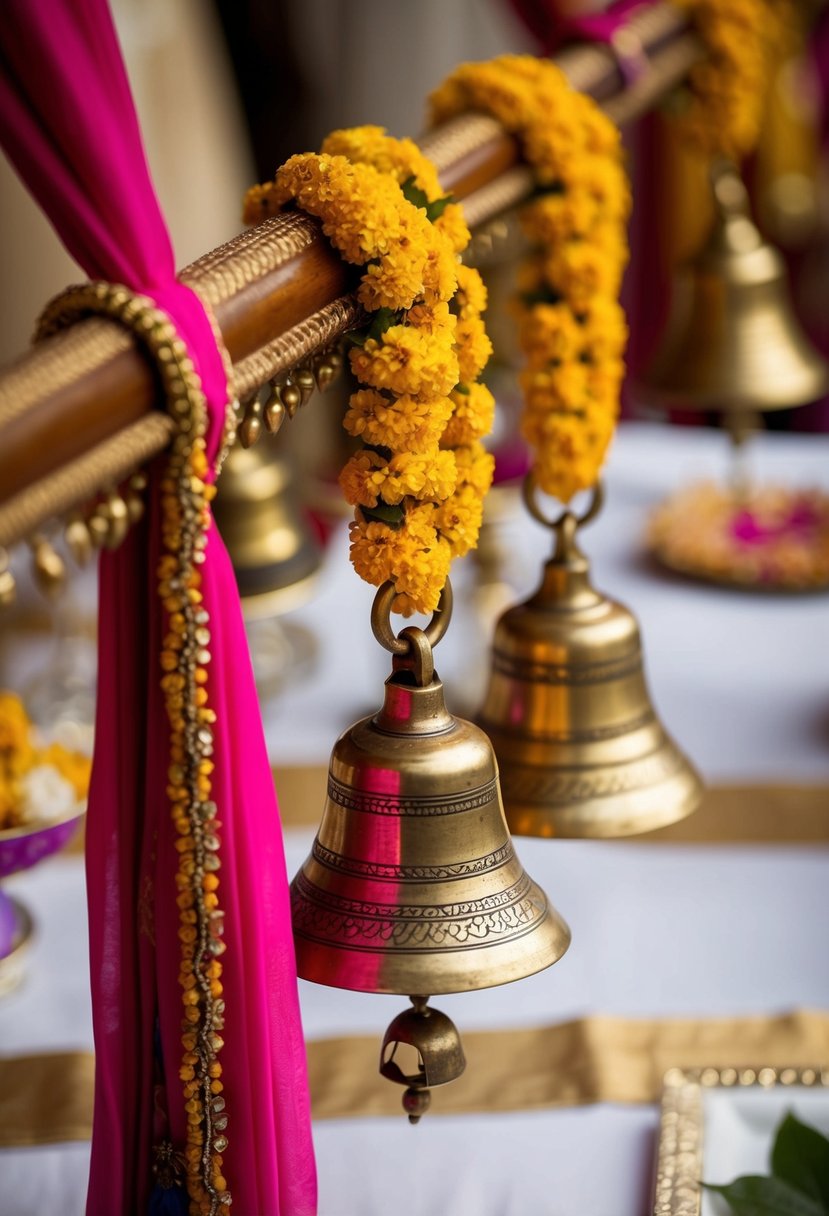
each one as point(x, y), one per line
point(437, 1043)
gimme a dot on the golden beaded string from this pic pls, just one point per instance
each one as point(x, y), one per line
point(185, 656)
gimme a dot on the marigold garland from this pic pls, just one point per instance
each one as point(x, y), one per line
point(419, 480)
point(726, 90)
point(571, 327)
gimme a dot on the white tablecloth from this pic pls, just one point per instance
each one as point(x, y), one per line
point(658, 929)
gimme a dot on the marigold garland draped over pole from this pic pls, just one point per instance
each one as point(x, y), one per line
point(68, 123)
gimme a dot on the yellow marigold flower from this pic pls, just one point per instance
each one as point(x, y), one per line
point(604, 329)
point(458, 520)
point(73, 766)
point(475, 467)
point(400, 158)
point(564, 387)
point(14, 723)
point(474, 347)
point(472, 417)
point(413, 557)
point(369, 477)
point(394, 281)
point(471, 296)
point(579, 272)
point(560, 217)
point(551, 332)
point(260, 202)
point(432, 319)
point(440, 273)
point(399, 423)
point(408, 362)
point(453, 226)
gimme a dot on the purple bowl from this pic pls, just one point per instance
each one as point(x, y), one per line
point(23, 847)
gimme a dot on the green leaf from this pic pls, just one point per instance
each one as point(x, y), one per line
point(419, 198)
point(382, 320)
point(461, 388)
point(384, 514)
point(357, 337)
point(753, 1195)
point(436, 209)
point(413, 194)
point(800, 1156)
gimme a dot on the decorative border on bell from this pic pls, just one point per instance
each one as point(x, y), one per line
point(375, 869)
point(677, 1190)
point(562, 673)
point(390, 804)
point(525, 784)
point(357, 925)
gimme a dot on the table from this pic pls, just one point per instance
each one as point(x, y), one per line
point(660, 929)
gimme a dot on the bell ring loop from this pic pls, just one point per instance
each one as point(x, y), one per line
point(381, 620)
point(529, 493)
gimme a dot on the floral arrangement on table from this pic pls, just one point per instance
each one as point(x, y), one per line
point(572, 329)
point(39, 783)
point(763, 537)
point(419, 479)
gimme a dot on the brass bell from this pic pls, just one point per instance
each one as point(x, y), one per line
point(274, 553)
point(732, 341)
point(412, 885)
point(580, 749)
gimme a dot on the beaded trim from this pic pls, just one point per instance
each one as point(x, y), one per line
point(185, 498)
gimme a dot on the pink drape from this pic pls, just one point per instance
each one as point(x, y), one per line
point(68, 124)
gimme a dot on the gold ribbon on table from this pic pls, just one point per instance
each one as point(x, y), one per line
point(45, 1099)
point(729, 814)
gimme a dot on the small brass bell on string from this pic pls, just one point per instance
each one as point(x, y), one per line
point(579, 746)
point(732, 342)
point(258, 513)
point(412, 885)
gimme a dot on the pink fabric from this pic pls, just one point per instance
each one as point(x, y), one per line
point(67, 122)
point(553, 22)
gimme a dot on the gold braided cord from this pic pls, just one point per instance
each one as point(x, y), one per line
point(506, 192)
point(298, 343)
point(74, 484)
point(458, 138)
point(71, 357)
point(220, 274)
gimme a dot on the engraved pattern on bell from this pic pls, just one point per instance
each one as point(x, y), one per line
point(412, 884)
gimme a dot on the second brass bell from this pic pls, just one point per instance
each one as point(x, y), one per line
point(579, 746)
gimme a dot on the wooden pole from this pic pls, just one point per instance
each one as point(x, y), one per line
point(86, 396)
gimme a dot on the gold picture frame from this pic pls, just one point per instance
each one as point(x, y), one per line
point(679, 1161)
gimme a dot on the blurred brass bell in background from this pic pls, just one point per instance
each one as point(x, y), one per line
point(732, 342)
point(580, 749)
point(412, 885)
point(259, 515)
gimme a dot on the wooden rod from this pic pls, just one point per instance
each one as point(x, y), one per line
point(76, 391)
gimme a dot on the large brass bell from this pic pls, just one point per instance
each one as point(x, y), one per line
point(412, 885)
point(274, 553)
point(732, 342)
point(579, 746)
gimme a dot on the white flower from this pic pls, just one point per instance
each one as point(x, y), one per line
point(46, 794)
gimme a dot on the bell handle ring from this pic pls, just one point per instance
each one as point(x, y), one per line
point(567, 522)
point(412, 647)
